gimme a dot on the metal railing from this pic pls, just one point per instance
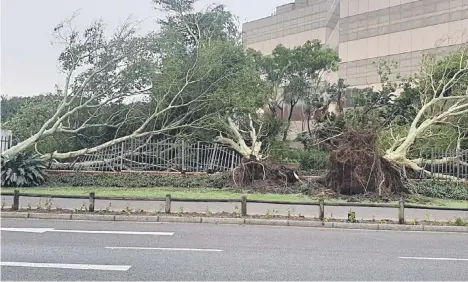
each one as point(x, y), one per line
point(400, 206)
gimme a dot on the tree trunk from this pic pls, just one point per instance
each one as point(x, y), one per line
point(288, 126)
point(25, 144)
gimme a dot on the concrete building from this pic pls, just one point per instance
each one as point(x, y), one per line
point(396, 30)
point(363, 32)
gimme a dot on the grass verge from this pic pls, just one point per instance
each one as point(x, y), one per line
point(208, 193)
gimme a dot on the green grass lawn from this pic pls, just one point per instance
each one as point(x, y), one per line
point(205, 193)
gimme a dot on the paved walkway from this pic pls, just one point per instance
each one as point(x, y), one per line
point(252, 208)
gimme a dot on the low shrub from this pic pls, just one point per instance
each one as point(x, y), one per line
point(23, 170)
point(218, 180)
point(282, 153)
point(441, 189)
point(314, 159)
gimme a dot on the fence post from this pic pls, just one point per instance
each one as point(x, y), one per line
point(244, 205)
point(122, 156)
point(401, 212)
point(16, 196)
point(198, 156)
point(321, 209)
point(91, 202)
point(168, 203)
point(183, 156)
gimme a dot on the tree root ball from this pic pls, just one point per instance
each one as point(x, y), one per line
point(252, 172)
point(357, 168)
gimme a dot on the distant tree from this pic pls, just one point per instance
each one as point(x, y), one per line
point(295, 75)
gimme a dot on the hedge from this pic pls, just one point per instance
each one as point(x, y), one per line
point(433, 189)
point(441, 189)
point(218, 180)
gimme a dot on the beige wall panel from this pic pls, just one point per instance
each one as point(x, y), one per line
point(267, 46)
point(343, 50)
point(344, 8)
point(353, 51)
point(394, 43)
point(383, 45)
point(383, 4)
point(373, 47)
point(409, 40)
point(394, 3)
point(405, 41)
point(408, 1)
point(363, 6)
point(417, 39)
point(458, 32)
point(373, 5)
point(353, 7)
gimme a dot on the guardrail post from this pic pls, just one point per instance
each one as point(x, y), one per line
point(91, 202)
point(401, 212)
point(244, 205)
point(321, 209)
point(168, 203)
point(16, 196)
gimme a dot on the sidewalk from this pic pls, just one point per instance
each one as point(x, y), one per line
point(252, 208)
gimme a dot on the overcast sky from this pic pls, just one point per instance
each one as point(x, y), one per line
point(28, 60)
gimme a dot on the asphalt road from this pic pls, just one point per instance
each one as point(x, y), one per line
point(103, 251)
point(252, 208)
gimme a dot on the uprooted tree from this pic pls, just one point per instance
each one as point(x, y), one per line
point(384, 135)
point(442, 85)
point(250, 135)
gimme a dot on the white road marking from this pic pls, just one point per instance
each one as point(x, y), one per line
point(28, 230)
point(115, 232)
point(68, 266)
point(42, 230)
point(165, 249)
point(424, 258)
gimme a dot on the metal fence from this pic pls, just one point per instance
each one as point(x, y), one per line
point(444, 164)
point(166, 154)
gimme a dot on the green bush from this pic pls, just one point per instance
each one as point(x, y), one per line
point(441, 189)
point(23, 170)
point(282, 153)
point(219, 180)
point(314, 159)
point(309, 160)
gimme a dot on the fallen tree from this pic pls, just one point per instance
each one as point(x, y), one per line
point(442, 86)
point(179, 79)
point(247, 140)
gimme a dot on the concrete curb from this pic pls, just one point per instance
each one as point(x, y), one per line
point(180, 219)
point(139, 218)
point(223, 220)
point(100, 217)
point(14, 214)
point(239, 221)
point(39, 215)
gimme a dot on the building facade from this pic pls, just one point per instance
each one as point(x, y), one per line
point(364, 32)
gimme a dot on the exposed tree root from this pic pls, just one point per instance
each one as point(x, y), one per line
point(252, 172)
point(357, 168)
